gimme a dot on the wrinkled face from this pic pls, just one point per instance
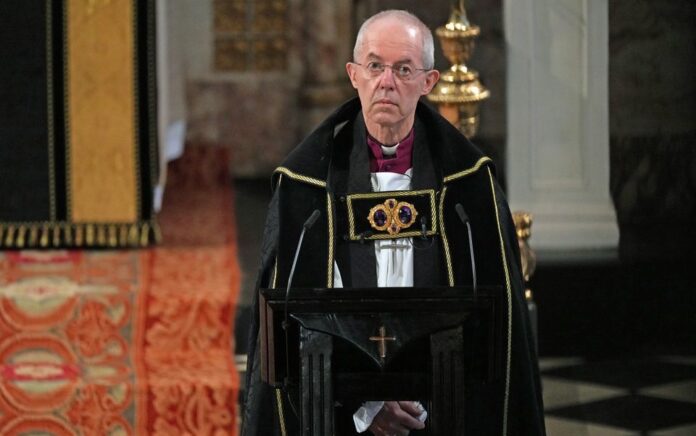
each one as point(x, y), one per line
point(387, 99)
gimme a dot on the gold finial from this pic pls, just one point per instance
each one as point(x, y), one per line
point(458, 21)
point(523, 227)
point(459, 91)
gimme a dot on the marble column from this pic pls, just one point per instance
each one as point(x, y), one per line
point(558, 121)
point(171, 89)
point(328, 45)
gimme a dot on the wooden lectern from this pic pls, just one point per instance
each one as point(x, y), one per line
point(381, 344)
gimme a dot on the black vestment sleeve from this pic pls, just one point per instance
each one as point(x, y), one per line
point(526, 415)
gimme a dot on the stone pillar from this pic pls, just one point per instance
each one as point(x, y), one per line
point(171, 87)
point(328, 45)
point(558, 121)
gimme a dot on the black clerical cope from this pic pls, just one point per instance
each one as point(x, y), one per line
point(354, 345)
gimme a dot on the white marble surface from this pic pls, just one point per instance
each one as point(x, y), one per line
point(558, 121)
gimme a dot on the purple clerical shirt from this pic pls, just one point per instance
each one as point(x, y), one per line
point(398, 163)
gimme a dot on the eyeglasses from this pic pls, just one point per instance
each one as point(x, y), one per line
point(402, 71)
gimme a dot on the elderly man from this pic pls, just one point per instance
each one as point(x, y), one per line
point(386, 141)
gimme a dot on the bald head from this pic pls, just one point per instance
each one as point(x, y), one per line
point(408, 19)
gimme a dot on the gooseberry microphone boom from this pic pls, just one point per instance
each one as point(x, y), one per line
point(465, 220)
point(306, 226)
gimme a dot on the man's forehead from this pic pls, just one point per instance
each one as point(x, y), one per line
point(392, 31)
point(393, 40)
point(405, 59)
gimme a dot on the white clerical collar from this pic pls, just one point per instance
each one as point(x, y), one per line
point(389, 150)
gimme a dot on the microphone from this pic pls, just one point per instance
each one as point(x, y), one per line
point(311, 220)
point(462, 215)
point(306, 226)
point(365, 234)
point(465, 220)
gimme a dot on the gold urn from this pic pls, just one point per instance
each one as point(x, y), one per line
point(459, 91)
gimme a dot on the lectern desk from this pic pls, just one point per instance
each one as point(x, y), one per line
point(381, 344)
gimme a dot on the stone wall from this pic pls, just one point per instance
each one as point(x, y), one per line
point(652, 94)
point(260, 113)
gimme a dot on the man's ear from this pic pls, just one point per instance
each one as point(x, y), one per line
point(431, 78)
point(352, 74)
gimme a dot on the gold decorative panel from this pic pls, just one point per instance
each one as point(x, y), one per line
point(250, 35)
point(102, 128)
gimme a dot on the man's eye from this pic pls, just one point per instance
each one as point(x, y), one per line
point(404, 70)
point(375, 67)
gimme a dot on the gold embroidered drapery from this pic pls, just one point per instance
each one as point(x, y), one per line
point(78, 156)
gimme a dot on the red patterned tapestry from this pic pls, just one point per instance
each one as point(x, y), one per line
point(135, 342)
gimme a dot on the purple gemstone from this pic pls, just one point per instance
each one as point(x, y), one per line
point(391, 203)
point(380, 218)
point(405, 214)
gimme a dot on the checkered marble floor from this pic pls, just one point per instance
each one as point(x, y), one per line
point(653, 396)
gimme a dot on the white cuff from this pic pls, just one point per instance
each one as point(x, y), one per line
point(364, 415)
point(424, 414)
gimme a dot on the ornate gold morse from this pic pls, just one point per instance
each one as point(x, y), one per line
point(392, 216)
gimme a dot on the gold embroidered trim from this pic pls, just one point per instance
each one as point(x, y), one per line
point(33, 235)
point(45, 235)
point(383, 236)
point(382, 194)
point(57, 234)
point(468, 171)
point(55, 241)
point(136, 109)
point(509, 305)
point(152, 96)
point(158, 233)
point(368, 195)
point(49, 112)
point(445, 243)
point(281, 415)
point(66, 114)
point(20, 236)
point(295, 176)
point(275, 265)
point(329, 215)
point(9, 238)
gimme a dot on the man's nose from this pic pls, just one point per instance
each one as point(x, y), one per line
point(387, 78)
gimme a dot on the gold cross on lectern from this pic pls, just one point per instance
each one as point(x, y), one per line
point(382, 339)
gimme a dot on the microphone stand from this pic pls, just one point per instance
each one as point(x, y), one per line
point(306, 226)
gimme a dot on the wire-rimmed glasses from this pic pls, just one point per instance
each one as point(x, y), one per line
point(403, 71)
